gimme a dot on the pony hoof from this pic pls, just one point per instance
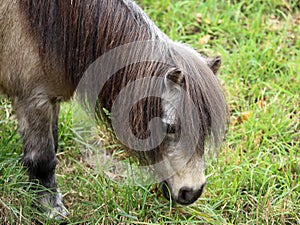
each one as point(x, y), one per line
point(53, 206)
point(58, 213)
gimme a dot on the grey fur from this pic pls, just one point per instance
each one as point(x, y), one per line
point(45, 47)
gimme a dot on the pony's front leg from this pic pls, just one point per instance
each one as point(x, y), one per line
point(37, 115)
point(56, 109)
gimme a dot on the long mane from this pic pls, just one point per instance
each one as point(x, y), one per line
point(76, 33)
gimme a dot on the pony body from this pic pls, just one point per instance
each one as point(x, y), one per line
point(45, 49)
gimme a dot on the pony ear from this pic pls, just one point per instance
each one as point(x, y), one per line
point(214, 64)
point(174, 78)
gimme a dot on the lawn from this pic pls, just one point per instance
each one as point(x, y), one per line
point(255, 179)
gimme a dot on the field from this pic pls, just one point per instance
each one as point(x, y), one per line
point(256, 177)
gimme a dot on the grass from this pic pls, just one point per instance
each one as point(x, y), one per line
point(254, 180)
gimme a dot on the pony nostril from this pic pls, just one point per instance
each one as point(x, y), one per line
point(185, 195)
point(165, 189)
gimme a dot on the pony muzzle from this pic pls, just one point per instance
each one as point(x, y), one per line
point(185, 196)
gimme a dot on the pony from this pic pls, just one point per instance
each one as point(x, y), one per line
point(175, 110)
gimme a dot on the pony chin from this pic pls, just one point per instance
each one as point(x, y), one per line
point(187, 183)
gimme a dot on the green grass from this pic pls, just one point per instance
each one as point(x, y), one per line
point(254, 180)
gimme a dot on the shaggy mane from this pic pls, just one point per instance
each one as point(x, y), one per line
point(77, 32)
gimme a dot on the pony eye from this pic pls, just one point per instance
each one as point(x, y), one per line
point(171, 129)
